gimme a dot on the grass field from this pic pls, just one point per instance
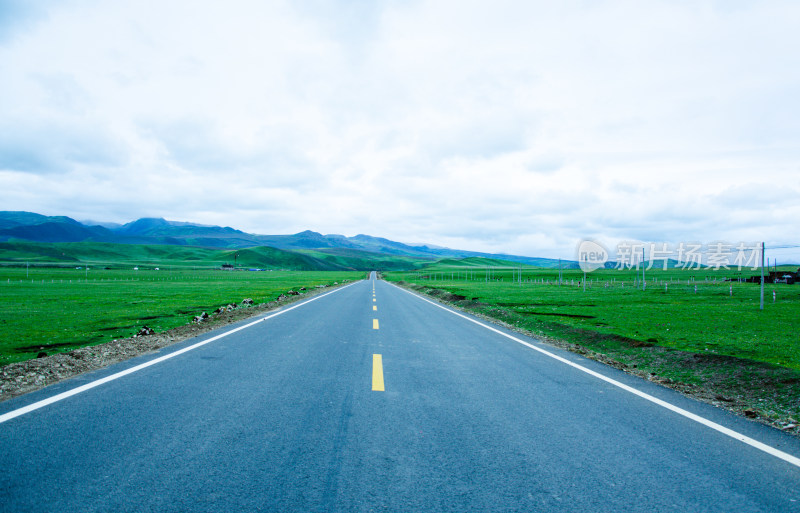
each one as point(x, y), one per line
point(56, 310)
point(720, 317)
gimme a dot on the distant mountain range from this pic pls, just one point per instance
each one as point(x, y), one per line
point(31, 227)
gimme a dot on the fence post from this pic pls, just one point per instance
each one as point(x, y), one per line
point(762, 277)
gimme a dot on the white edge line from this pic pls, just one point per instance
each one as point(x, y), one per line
point(680, 411)
point(69, 393)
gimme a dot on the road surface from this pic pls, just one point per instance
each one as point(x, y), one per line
point(371, 398)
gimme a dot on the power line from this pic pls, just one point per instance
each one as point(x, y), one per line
point(784, 246)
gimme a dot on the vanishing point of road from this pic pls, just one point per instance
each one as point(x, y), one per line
point(371, 398)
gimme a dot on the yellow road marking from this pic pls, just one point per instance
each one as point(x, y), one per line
point(373, 300)
point(375, 324)
point(377, 373)
point(374, 307)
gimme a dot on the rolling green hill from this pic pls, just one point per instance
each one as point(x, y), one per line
point(262, 257)
point(473, 262)
point(131, 255)
point(366, 260)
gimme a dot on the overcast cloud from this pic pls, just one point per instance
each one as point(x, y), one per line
point(502, 126)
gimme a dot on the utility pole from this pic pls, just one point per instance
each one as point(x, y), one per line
point(762, 276)
point(643, 280)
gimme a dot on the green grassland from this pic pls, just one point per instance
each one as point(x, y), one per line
point(58, 309)
point(721, 317)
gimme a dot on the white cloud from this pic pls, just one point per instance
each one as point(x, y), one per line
point(498, 126)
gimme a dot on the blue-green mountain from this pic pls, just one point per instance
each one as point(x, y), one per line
point(332, 249)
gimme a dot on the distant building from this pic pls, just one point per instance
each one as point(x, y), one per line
point(786, 277)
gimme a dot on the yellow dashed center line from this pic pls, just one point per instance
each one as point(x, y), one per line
point(377, 373)
point(377, 360)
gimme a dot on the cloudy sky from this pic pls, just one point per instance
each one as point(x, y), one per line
point(502, 126)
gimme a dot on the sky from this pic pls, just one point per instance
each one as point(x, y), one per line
point(519, 127)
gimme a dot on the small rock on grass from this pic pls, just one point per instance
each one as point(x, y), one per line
point(144, 332)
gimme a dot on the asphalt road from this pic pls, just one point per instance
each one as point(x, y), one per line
point(297, 413)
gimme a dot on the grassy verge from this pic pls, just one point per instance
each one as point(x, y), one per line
point(56, 310)
point(691, 330)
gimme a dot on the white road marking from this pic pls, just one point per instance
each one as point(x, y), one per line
point(69, 393)
point(680, 411)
